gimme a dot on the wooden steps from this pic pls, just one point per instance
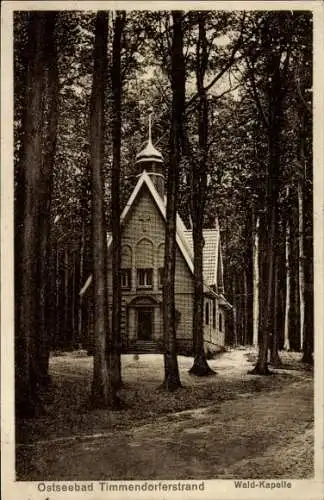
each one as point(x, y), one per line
point(143, 347)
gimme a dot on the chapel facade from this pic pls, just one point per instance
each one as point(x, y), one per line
point(142, 260)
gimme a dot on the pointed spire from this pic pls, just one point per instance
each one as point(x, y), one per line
point(149, 153)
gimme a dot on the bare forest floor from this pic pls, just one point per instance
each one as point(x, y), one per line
point(224, 426)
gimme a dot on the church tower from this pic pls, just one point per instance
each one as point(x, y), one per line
point(151, 160)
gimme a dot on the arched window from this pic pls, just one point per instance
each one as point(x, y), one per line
point(207, 313)
point(126, 257)
point(126, 267)
point(144, 254)
point(144, 263)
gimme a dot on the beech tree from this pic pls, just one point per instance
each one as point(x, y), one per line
point(275, 66)
point(116, 79)
point(103, 388)
point(198, 198)
point(32, 205)
point(46, 190)
point(302, 78)
point(171, 375)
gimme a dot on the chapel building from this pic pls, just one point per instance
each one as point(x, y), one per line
point(142, 260)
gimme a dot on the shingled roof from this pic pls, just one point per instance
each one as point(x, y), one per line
point(210, 253)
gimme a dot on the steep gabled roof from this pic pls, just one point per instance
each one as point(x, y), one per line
point(181, 240)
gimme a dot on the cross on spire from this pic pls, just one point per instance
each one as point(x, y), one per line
point(149, 153)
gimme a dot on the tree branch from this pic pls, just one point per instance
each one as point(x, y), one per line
point(227, 66)
point(256, 95)
point(231, 89)
point(305, 104)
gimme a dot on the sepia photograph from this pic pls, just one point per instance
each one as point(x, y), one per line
point(161, 189)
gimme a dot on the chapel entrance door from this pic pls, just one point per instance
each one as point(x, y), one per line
point(144, 323)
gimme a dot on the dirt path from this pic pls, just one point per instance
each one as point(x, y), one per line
point(264, 434)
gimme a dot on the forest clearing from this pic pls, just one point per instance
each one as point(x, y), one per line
point(263, 423)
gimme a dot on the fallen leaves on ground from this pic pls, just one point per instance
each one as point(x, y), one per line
point(67, 402)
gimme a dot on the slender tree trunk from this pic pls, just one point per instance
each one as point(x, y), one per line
point(52, 293)
point(256, 282)
point(294, 327)
point(234, 293)
point(266, 268)
point(80, 303)
point(246, 340)
point(103, 392)
point(308, 336)
point(171, 370)
point(269, 222)
point(73, 310)
point(301, 278)
point(27, 367)
point(248, 305)
point(288, 292)
point(271, 255)
point(305, 223)
point(308, 331)
point(66, 300)
point(44, 320)
point(268, 245)
point(115, 195)
point(274, 355)
point(198, 188)
point(58, 338)
point(239, 312)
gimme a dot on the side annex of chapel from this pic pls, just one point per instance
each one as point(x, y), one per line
point(142, 260)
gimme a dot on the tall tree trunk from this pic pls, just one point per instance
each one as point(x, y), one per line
point(250, 221)
point(268, 235)
point(256, 282)
point(308, 336)
point(66, 325)
point(274, 355)
point(45, 192)
point(73, 309)
point(245, 308)
point(294, 296)
point(268, 232)
point(234, 300)
point(265, 299)
point(198, 195)
point(301, 278)
point(171, 370)
point(262, 363)
point(115, 196)
point(308, 345)
point(81, 274)
point(103, 392)
point(58, 339)
point(303, 123)
point(287, 301)
point(27, 367)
